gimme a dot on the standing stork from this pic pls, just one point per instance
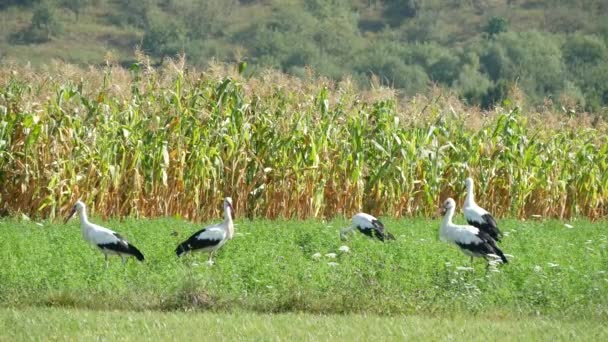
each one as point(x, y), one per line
point(109, 242)
point(368, 225)
point(211, 238)
point(471, 240)
point(477, 216)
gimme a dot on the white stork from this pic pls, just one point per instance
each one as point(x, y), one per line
point(368, 225)
point(211, 238)
point(108, 241)
point(477, 216)
point(471, 240)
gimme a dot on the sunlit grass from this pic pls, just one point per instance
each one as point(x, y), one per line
point(53, 323)
point(271, 266)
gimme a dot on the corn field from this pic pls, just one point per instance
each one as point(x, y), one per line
point(148, 142)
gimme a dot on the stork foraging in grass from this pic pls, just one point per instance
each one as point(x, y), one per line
point(368, 225)
point(478, 217)
point(108, 241)
point(471, 240)
point(211, 238)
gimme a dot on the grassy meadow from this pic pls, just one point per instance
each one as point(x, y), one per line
point(152, 152)
point(270, 267)
point(78, 324)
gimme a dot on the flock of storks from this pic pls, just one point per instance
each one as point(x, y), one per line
point(477, 239)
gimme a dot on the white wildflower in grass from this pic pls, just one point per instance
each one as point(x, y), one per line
point(537, 268)
point(331, 255)
point(465, 268)
point(568, 226)
point(506, 234)
point(316, 255)
point(551, 264)
point(496, 257)
point(448, 264)
point(344, 249)
point(332, 264)
point(493, 265)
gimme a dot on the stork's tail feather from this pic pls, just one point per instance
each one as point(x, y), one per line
point(136, 253)
point(501, 255)
point(182, 249)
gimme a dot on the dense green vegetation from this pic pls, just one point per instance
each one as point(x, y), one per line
point(23, 324)
point(146, 142)
point(555, 51)
point(270, 266)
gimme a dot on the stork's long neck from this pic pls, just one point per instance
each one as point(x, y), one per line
point(447, 222)
point(84, 219)
point(470, 196)
point(228, 224)
point(447, 218)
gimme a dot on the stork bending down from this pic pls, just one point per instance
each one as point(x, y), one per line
point(368, 225)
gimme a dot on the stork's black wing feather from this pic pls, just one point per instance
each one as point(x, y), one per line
point(122, 246)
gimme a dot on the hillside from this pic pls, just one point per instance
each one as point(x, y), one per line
point(555, 51)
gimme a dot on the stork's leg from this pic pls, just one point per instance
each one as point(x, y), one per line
point(106, 257)
point(210, 261)
point(345, 231)
point(124, 261)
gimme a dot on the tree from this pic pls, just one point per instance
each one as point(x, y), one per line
point(495, 26)
point(24, 3)
point(75, 6)
point(44, 24)
point(164, 38)
point(445, 70)
point(579, 50)
point(530, 59)
point(396, 11)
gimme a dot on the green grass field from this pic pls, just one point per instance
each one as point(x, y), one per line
point(77, 324)
point(555, 284)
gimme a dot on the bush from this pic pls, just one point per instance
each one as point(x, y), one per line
point(496, 25)
point(43, 26)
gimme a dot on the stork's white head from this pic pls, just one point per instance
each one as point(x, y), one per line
point(448, 204)
point(228, 205)
point(77, 207)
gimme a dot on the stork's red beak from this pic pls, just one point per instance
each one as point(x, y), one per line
point(231, 210)
point(70, 215)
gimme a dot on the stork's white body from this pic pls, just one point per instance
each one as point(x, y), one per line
point(210, 238)
point(107, 241)
point(471, 240)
